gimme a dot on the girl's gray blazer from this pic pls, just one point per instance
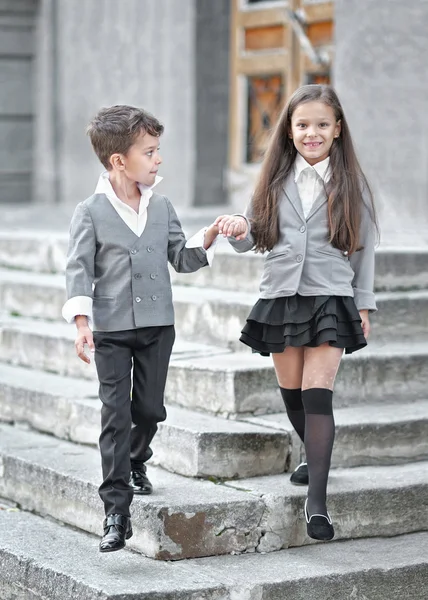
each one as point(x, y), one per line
point(304, 262)
point(127, 276)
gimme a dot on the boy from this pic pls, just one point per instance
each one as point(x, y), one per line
point(121, 239)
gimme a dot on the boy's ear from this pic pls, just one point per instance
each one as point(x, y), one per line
point(116, 161)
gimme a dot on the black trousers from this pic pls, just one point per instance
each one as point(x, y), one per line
point(129, 419)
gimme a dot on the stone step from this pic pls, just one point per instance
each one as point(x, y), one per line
point(68, 408)
point(188, 443)
point(209, 315)
point(377, 434)
point(356, 570)
point(45, 252)
point(208, 379)
point(185, 518)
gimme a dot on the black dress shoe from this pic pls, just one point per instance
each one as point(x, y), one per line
point(319, 527)
point(140, 482)
point(117, 529)
point(300, 475)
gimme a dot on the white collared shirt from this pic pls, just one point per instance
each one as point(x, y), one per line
point(135, 221)
point(82, 305)
point(310, 180)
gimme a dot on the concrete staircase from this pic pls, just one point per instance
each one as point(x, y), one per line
point(220, 459)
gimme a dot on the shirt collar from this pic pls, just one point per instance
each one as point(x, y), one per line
point(104, 187)
point(321, 168)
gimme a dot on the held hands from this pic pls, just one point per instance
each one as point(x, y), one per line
point(232, 225)
point(84, 336)
point(365, 323)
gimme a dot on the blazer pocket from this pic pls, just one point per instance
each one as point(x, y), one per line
point(104, 299)
point(334, 253)
point(278, 255)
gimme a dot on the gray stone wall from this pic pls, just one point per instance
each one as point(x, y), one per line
point(380, 74)
point(212, 100)
point(101, 52)
point(16, 106)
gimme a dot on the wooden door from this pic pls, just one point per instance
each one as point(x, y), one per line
point(268, 62)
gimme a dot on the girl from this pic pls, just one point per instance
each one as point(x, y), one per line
point(313, 211)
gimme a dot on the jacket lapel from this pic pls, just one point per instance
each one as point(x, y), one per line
point(320, 201)
point(290, 189)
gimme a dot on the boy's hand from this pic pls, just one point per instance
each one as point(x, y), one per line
point(210, 235)
point(230, 225)
point(365, 323)
point(84, 336)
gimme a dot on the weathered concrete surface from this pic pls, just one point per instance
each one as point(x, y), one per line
point(373, 568)
point(376, 434)
point(184, 518)
point(209, 379)
point(187, 518)
point(189, 443)
point(362, 501)
point(377, 73)
point(209, 315)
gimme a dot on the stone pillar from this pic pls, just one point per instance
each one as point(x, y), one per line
point(380, 75)
point(212, 100)
point(138, 52)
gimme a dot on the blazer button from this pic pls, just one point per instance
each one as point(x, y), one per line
point(299, 258)
point(154, 297)
point(134, 251)
point(152, 275)
point(138, 299)
point(302, 229)
point(149, 249)
point(137, 276)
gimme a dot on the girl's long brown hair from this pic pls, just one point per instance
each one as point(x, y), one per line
point(344, 189)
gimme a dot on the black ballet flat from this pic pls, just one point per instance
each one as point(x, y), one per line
point(319, 527)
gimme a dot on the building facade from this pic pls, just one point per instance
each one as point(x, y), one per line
point(216, 73)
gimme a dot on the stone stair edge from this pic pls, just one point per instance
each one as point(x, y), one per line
point(260, 514)
point(359, 568)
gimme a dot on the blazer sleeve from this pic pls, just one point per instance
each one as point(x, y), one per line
point(184, 260)
point(363, 262)
point(80, 266)
point(248, 242)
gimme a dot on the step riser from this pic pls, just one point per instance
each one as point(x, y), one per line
point(361, 380)
point(255, 391)
point(214, 322)
point(266, 524)
point(31, 580)
point(160, 532)
point(394, 269)
point(220, 455)
point(354, 573)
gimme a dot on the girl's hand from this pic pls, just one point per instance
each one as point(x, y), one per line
point(230, 225)
point(365, 323)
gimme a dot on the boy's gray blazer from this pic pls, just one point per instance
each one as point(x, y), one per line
point(304, 262)
point(127, 276)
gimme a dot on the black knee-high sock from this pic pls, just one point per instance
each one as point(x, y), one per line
point(319, 438)
point(295, 411)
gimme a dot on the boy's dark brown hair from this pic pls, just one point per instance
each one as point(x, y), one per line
point(344, 190)
point(114, 130)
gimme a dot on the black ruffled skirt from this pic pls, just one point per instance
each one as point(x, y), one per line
point(297, 321)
